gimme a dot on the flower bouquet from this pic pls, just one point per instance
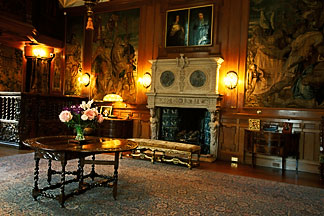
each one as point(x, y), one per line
point(80, 117)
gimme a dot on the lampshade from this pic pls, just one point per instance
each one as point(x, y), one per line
point(85, 79)
point(231, 79)
point(146, 80)
point(112, 98)
point(39, 51)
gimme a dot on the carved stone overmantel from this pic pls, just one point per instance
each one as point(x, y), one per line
point(186, 83)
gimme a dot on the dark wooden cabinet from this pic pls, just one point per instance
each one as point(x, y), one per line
point(115, 128)
point(26, 115)
point(272, 143)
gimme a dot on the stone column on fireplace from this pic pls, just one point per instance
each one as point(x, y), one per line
point(214, 131)
point(186, 83)
point(154, 119)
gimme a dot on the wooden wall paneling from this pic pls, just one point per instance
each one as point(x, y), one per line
point(143, 56)
point(145, 129)
point(234, 49)
point(228, 138)
point(158, 27)
point(136, 128)
point(317, 144)
point(243, 52)
point(230, 40)
point(308, 146)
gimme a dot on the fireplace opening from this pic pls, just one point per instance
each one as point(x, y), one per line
point(186, 125)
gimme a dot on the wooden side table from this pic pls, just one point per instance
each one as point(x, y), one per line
point(115, 128)
point(271, 143)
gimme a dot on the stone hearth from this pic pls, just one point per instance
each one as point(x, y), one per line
point(186, 83)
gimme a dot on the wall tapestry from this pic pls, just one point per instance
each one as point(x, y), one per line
point(10, 69)
point(115, 53)
point(285, 59)
point(38, 75)
point(57, 72)
point(73, 55)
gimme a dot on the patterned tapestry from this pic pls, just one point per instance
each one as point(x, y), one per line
point(73, 55)
point(285, 59)
point(114, 56)
point(10, 69)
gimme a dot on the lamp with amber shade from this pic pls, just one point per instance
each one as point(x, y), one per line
point(112, 98)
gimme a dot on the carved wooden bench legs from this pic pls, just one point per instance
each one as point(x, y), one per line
point(160, 156)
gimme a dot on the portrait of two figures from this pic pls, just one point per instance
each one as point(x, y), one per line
point(189, 26)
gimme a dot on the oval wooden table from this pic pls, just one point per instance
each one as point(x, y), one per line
point(64, 148)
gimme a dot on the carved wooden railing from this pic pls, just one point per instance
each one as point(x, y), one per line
point(24, 115)
point(9, 117)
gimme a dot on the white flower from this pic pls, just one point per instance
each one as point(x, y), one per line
point(84, 117)
point(65, 116)
point(85, 105)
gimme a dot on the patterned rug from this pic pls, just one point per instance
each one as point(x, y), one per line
point(157, 189)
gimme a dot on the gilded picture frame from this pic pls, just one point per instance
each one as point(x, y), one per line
point(254, 124)
point(187, 27)
point(106, 111)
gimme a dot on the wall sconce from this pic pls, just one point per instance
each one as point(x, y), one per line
point(39, 51)
point(84, 79)
point(146, 80)
point(231, 79)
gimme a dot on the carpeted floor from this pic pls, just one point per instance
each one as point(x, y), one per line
point(157, 189)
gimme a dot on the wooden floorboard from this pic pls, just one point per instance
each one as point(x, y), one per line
point(273, 174)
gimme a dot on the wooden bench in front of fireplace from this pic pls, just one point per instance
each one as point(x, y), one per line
point(165, 151)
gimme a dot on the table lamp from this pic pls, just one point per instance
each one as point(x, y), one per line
point(112, 98)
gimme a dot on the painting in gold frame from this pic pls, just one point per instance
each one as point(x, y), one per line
point(254, 124)
point(106, 111)
point(189, 26)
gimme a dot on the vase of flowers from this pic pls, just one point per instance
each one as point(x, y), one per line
point(80, 117)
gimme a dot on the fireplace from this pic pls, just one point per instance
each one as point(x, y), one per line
point(186, 125)
point(181, 86)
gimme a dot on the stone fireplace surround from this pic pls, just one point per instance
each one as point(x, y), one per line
point(186, 83)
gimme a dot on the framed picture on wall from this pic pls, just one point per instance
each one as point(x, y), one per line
point(189, 27)
point(106, 111)
point(254, 124)
point(177, 28)
point(200, 26)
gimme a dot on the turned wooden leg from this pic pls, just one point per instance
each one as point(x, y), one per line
point(283, 168)
point(93, 172)
point(190, 161)
point(49, 172)
point(115, 175)
point(62, 195)
point(35, 191)
point(80, 171)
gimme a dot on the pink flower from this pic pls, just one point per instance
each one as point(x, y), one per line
point(65, 116)
point(90, 113)
point(100, 118)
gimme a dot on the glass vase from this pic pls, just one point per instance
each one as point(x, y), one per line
point(79, 132)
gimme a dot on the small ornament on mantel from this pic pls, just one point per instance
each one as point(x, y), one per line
point(183, 61)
